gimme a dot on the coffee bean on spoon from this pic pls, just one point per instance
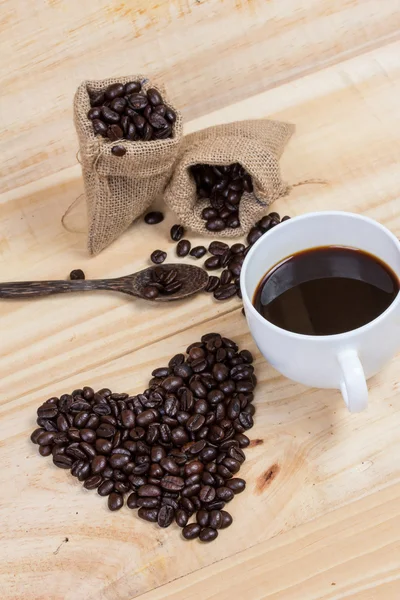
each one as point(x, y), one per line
point(153, 218)
point(150, 292)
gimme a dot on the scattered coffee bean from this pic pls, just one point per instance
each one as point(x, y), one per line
point(198, 251)
point(212, 284)
point(118, 150)
point(183, 248)
point(153, 218)
point(212, 263)
point(177, 232)
point(77, 274)
point(224, 292)
point(158, 257)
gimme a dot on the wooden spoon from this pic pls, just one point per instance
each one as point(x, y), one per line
point(193, 279)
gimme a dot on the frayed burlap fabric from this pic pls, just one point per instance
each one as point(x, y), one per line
point(256, 145)
point(119, 189)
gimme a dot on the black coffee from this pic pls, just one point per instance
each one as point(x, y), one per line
point(326, 290)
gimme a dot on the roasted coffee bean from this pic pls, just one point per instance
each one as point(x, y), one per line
point(114, 90)
point(236, 484)
point(148, 514)
point(172, 483)
point(153, 218)
point(170, 115)
point(226, 277)
point(157, 121)
point(177, 232)
point(110, 116)
point(94, 113)
point(215, 224)
point(246, 420)
point(99, 127)
point(118, 150)
point(148, 502)
point(198, 251)
point(158, 256)
point(35, 435)
point(93, 482)
point(213, 283)
point(218, 248)
point(226, 519)
point(224, 292)
point(45, 438)
point(192, 531)
point(103, 446)
point(165, 516)
point(208, 534)
point(115, 501)
point(132, 87)
point(150, 292)
point(132, 501)
point(118, 105)
point(207, 494)
point(181, 517)
point(212, 263)
point(254, 234)
point(45, 451)
point(170, 466)
point(215, 519)
point(105, 488)
point(137, 101)
point(224, 493)
point(183, 248)
point(76, 274)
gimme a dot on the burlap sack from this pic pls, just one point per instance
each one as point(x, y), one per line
point(120, 189)
point(256, 145)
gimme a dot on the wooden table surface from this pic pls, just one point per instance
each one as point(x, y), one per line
point(320, 518)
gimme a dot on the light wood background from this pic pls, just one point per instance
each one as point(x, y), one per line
point(320, 519)
point(209, 53)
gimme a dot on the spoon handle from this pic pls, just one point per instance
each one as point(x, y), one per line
point(32, 289)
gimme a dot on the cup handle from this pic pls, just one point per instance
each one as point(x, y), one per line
point(353, 386)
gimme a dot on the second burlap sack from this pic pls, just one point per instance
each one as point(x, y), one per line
point(257, 145)
point(119, 189)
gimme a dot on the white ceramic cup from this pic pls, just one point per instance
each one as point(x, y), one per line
point(343, 361)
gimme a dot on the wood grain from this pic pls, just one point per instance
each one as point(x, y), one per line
point(322, 500)
point(208, 52)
